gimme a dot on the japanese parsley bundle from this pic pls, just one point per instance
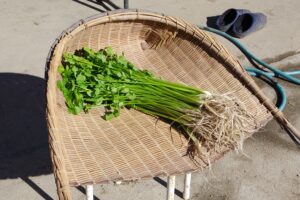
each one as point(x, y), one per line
point(92, 79)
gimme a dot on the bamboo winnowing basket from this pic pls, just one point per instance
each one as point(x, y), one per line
point(86, 149)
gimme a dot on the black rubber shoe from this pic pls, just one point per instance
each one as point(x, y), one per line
point(228, 18)
point(248, 23)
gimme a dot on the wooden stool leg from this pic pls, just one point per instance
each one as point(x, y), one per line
point(171, 188)
point(187, 186)
point(89, 192)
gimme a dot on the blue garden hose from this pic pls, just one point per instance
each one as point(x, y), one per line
point(274, 72)
point(281, 96)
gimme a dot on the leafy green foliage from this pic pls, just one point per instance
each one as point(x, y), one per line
point(91, 79)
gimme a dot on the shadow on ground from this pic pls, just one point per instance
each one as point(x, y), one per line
point(98, 5)
point(23, 130)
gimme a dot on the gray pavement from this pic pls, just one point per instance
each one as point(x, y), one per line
point(28, 28)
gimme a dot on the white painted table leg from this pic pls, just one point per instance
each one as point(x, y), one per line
point(187, 186)
point(171, 188)
point(89, 192)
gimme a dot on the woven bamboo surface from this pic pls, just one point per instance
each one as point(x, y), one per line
point(87, 149)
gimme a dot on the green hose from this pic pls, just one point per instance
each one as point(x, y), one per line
point(274, 72)
point(267, 75)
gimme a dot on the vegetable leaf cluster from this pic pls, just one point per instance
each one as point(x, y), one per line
point(103, 78)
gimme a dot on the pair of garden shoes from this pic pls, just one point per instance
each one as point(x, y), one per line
point(240, 22)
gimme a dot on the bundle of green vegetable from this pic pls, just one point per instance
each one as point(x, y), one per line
point(92, 79)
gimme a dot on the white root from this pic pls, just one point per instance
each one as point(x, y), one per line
point(221, 120)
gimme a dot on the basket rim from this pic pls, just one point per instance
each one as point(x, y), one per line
point(241, 75)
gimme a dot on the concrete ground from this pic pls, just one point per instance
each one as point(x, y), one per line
point(28, 28)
